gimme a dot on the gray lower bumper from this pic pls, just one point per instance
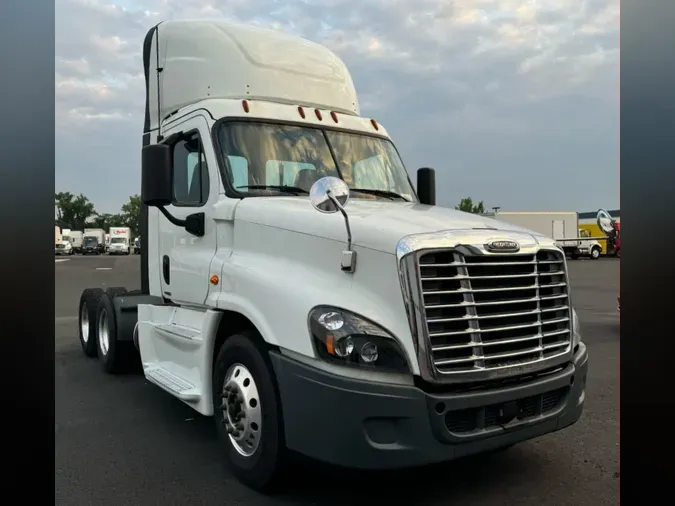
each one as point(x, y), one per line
point(379, 426)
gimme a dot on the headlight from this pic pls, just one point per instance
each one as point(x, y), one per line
point(576, 329)
point(344, 338)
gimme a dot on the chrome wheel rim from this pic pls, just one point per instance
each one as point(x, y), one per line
point(103, 335)
point(84, 322)
point(242, 414)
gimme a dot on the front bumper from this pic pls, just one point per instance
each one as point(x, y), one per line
point(367, 425)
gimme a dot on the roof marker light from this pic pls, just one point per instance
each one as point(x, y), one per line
point(244, 104)
point(333, 115)
point(301, 111)
point(318, 114)
point(374, 123)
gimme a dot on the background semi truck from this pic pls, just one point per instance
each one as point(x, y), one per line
point(561, 226)
point(57, 237)
point(339, 314)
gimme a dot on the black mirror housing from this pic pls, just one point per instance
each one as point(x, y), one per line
point(156, 180)
point(426, 186)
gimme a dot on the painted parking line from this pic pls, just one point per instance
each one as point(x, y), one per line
point(57, 260)
point(103, 268)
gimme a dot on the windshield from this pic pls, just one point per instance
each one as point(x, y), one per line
point(90, 240)
point(261, 154)
point(117, 240)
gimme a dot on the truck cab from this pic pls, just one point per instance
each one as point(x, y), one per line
point(298, 288)
point(588, 246)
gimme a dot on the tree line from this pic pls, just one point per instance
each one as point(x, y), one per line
point(77, 212)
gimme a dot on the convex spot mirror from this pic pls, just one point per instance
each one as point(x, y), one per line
point(156, 180)
point(328, 194)
point(605, 221)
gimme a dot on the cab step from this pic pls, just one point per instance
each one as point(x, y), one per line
point(172, 383)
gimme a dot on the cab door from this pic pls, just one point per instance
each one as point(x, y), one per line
point(185, 258)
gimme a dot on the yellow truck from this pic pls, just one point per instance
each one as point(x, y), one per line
point(592, 230)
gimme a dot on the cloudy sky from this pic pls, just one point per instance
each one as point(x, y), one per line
point(514, 102)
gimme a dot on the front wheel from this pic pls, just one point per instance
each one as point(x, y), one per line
point(247, 411)
point(595, 253)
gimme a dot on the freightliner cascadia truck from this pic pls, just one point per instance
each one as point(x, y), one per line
point(296, 286)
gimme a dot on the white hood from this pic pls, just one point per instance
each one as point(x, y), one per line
point(377, 225)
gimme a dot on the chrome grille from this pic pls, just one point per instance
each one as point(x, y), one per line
point(494, 312)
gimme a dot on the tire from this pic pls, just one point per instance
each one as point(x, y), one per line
point(574, 256)
point(261, 470)
point(86, 320)
point(595, 253)
point(114, 291)
point(113, 355)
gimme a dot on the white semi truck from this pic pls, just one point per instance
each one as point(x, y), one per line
point(562, 226)
point(298, 289)
point(120, 241)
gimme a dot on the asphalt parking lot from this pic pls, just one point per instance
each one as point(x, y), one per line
point(120, 440)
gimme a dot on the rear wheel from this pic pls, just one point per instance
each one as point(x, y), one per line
point(113, 354)
point(247, 411)
point(114, 291)
point(87, 320)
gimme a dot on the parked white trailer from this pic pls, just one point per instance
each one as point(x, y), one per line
point(57, 238)
point(325, 315)
point(76, 237)
point(120, 241)
point(562, 226)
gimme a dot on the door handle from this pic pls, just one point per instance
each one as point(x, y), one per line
point(166, 272)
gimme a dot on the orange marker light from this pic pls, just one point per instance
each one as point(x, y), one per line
point(333, 115)
point(330, 345)
point(374, 123)
point(244, 104)
point(318, 114)
point(301, 111)
point(214, 279)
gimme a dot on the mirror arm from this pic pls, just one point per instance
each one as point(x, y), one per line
point(171, 218)
point(194, 223)
point(344, 214)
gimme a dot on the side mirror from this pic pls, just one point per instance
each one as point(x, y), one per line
point(329, 194)
point(156, 181)
point(426, 186)
point(605, 221)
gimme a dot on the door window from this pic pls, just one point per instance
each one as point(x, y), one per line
point(190, 173)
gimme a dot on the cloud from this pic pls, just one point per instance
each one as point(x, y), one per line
point(515, 102)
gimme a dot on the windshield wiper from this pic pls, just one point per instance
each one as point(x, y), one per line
point(295, 190)
point(380, 193)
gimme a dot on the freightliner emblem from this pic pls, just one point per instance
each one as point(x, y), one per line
point(503, 246)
